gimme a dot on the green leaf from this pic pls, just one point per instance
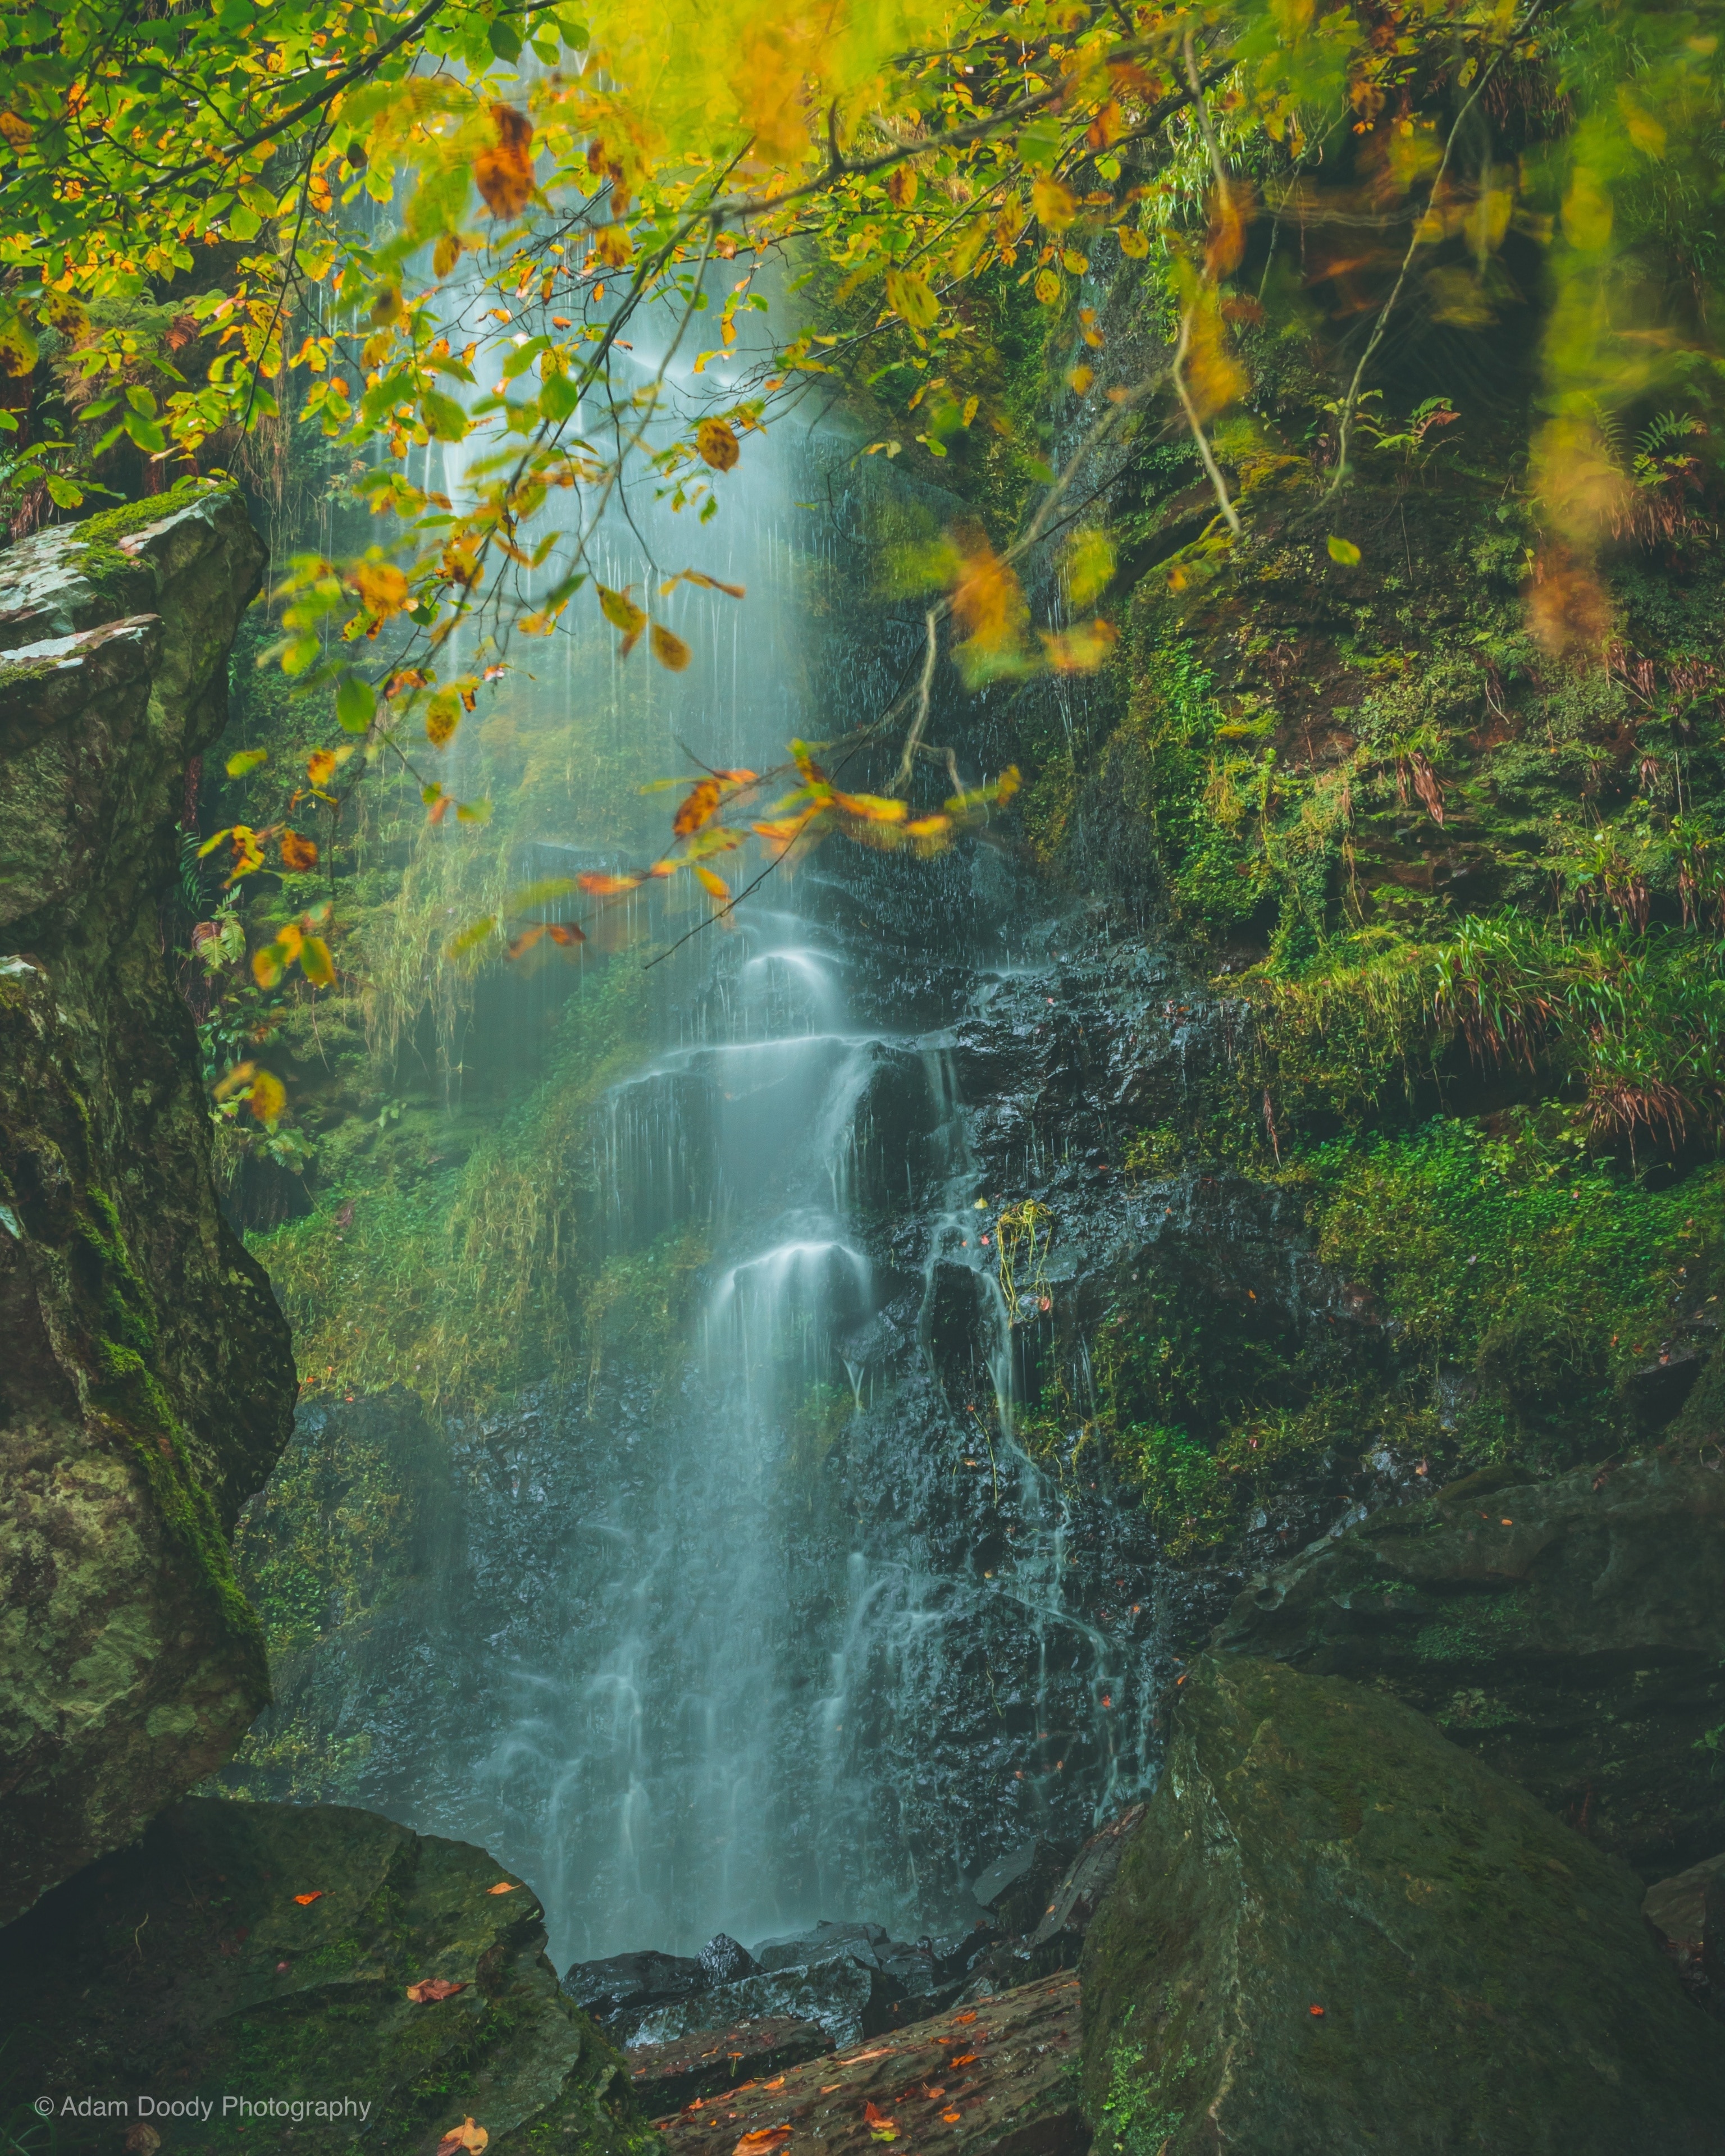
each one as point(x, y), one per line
point(63, 492)
point(355, 704)
point(1343, 551)
point(247, 759)
point(504, 40)
point(244, 222)
point(444, 417)
point(558, 399)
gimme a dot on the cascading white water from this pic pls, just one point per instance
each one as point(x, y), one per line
point(758, 1606)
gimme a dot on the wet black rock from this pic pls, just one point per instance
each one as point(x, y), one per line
point(842, 1996)
point(724, 1961)
point(626, 1981)
point(1058, 1937)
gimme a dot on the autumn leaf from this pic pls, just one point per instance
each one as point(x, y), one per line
point(268, 965)
point(696, 807)
point(1134, 244)
point(267, 1099)
point(913, 298)
point(716, 443)
point(316, 963)
point(443, 715)
point(902, 186)
point(763, 2138)
point(713, 884)
point(1428, 786)
point(1053, 203)
point(871, 807)
point(608, 887)
point(566, 934)
point(465, 2136)
point(445, 254)
point(671, 651)
point(381, 587)
point(504, 175)
point(1343, 551)
point(247, 759)
point(503, 1887)
point(968, 2059)
point(951, 2117)
point(321, 766)
point(470, 938)
point(298, 853)
point(1080, 650)
point(519, 946)
point(1229, 209)
point(431, 1990)
point(1048, 287)
point(880, 2126)
point(305, 1900)
point(620, 610)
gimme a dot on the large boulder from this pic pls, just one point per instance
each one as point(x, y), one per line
point(247, 1964)
point(1336, 1933)
point(1570, 1632)
point(146, 1384)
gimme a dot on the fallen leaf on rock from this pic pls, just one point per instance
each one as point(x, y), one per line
point(951, 2117)
point(504, 1886)
point(882, 2128)
point(958, 2019)
point(762, 2139)
point(778, 2084)
point(467, 2136)
point(434, 1988)
point(968, 2060)
point(934, 2094)
point(305, 1900)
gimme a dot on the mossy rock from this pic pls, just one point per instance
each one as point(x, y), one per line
point(146, 1384)
point(189, 1972)
point(1570, 1632)
point(1337, 1933)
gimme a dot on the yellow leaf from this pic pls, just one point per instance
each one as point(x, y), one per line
point(445, 254)
point(1343, 551)
point(913, 298)
point(1047, 288)
point(1080, 650)
point(321, 766)
point(443, 715)
point(316, 964)
point(620, 610)
point(242, 1074)
point(268, 965)
point(1079, 380)
point(1054, 204)
point(669, 651)
point(382, 587)
point(247, 759)
point(470, 938)
point(1073, 263)
point(716, 444)
point(1133, 243)
point(714, 883)
point(267, 1098)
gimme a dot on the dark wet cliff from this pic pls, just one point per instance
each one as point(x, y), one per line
point(146, 1384)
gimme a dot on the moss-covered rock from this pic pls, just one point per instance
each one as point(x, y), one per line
point(1336, 1933)
point(1570, 1633)
point(146, 1385)
point(250, 1954)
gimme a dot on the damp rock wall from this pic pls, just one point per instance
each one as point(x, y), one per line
point(146, 1384)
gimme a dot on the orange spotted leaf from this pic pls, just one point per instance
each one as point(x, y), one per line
point(504, 175)
point(298, 852)
point(696, 807)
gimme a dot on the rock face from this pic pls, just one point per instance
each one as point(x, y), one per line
point(245, 1952)
point(1570, 1632)
point(1336, 1933)
point(146, 1384)
point(1687, 1914)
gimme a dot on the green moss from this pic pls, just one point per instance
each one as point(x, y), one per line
point(109, 525)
